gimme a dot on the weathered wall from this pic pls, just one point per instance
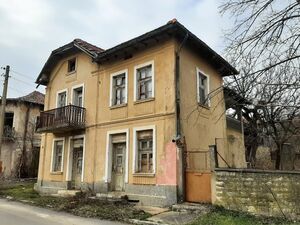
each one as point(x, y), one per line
point(101, 118)
point(259, 192)
point(12, 149)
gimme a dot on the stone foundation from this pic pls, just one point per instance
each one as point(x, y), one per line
point(154, 195)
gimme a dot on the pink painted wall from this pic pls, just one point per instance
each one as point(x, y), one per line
point(168, 166)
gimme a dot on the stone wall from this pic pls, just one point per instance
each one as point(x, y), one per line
point(271, 193)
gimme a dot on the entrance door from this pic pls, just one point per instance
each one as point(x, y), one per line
point(118, 166)
point(77, 162)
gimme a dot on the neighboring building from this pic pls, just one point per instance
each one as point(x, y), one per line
point(20, 143)
point(136, 118)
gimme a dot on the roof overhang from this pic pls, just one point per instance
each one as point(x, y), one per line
point(171, 29)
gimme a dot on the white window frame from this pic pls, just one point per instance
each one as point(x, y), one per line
point(72, 93)
point(52, 155)
point(70, 158)
point(111, 86)
point(73, 71)
point(108, 156)
point(198, 83)
point(59, 92)
point(135, 148)
point(135, 79)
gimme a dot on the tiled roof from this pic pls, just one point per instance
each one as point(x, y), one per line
point(87, 46)
point(34, 97)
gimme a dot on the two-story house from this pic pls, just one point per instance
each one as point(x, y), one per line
point(127, 119)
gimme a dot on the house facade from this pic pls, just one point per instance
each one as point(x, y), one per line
point(20, 143)
point(137, 118)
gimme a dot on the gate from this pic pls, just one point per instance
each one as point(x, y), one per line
point(197, 176)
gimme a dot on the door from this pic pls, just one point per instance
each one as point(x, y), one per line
point(118, 166)
point(77, 162)
point(197, 177)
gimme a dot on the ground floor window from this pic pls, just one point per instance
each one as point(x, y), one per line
point(145, 151)
point(57, 155)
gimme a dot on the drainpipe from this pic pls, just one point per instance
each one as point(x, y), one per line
point(178, 139)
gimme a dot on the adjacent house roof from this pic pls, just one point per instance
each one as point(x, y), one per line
point(173, 29)
point(34, 97)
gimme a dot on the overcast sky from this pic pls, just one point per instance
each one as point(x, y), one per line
point(31, 29)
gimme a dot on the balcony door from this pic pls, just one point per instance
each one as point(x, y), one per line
point(78, 96)
point(61, 99)
point(61, 102)
point(77, 100)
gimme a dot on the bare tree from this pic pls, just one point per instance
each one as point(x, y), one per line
point(264, 45)
point(266, 29)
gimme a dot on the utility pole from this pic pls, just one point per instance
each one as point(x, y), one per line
point(3, 104)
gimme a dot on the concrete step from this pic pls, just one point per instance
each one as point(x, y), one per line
point(191, 207)
point(67, 193)
point(112, 196)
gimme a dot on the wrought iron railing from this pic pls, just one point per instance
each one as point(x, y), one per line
point(69, 116)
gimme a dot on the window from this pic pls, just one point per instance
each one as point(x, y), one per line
point(202, 88)
point(8, 120)
point(144, 78)
point(145, 151)
point(8, 131)
point(71, 65)
point(57, 157)
point(77, 98)
point(61, 100)
point(118, 88)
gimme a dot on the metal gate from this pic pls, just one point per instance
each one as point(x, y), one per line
point(197, 176)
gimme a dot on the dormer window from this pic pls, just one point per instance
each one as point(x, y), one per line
point(71, 65)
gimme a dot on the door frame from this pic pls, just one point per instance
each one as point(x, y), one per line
point(109, 157)
point(70, 158)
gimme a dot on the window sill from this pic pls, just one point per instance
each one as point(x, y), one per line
point(70, 73)
point(204, 106)
point(56, 173)
point(118, 106)
point(144, 174)
point(144, 100)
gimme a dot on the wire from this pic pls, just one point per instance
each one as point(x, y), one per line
point(24, 82)
point(21, 74)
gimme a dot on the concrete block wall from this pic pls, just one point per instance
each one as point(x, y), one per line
point(271, 193)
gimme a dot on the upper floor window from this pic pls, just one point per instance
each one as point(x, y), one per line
point(202, 88)
point(61, 99)
point(71, 65)
point(118, 88)
point(144, 81)
point(77, 96)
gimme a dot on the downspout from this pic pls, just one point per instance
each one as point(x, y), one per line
point(179, 139)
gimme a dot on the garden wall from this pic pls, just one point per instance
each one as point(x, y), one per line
point(271, 193)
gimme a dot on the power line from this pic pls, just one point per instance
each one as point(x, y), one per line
point(21, 74)
point(22, 81)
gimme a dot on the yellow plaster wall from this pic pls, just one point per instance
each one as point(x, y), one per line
point(101, 118)
point(201, 125)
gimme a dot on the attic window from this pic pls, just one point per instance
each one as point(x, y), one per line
point(71, 65)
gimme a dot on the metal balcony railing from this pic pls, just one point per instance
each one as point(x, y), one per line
point(61, 119)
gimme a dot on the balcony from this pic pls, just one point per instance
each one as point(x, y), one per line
point(8, 133)
point(60, 120)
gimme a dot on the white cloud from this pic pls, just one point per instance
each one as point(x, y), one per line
point(31, 29)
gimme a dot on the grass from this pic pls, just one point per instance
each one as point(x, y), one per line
point(79, 205)
point(221, 216)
